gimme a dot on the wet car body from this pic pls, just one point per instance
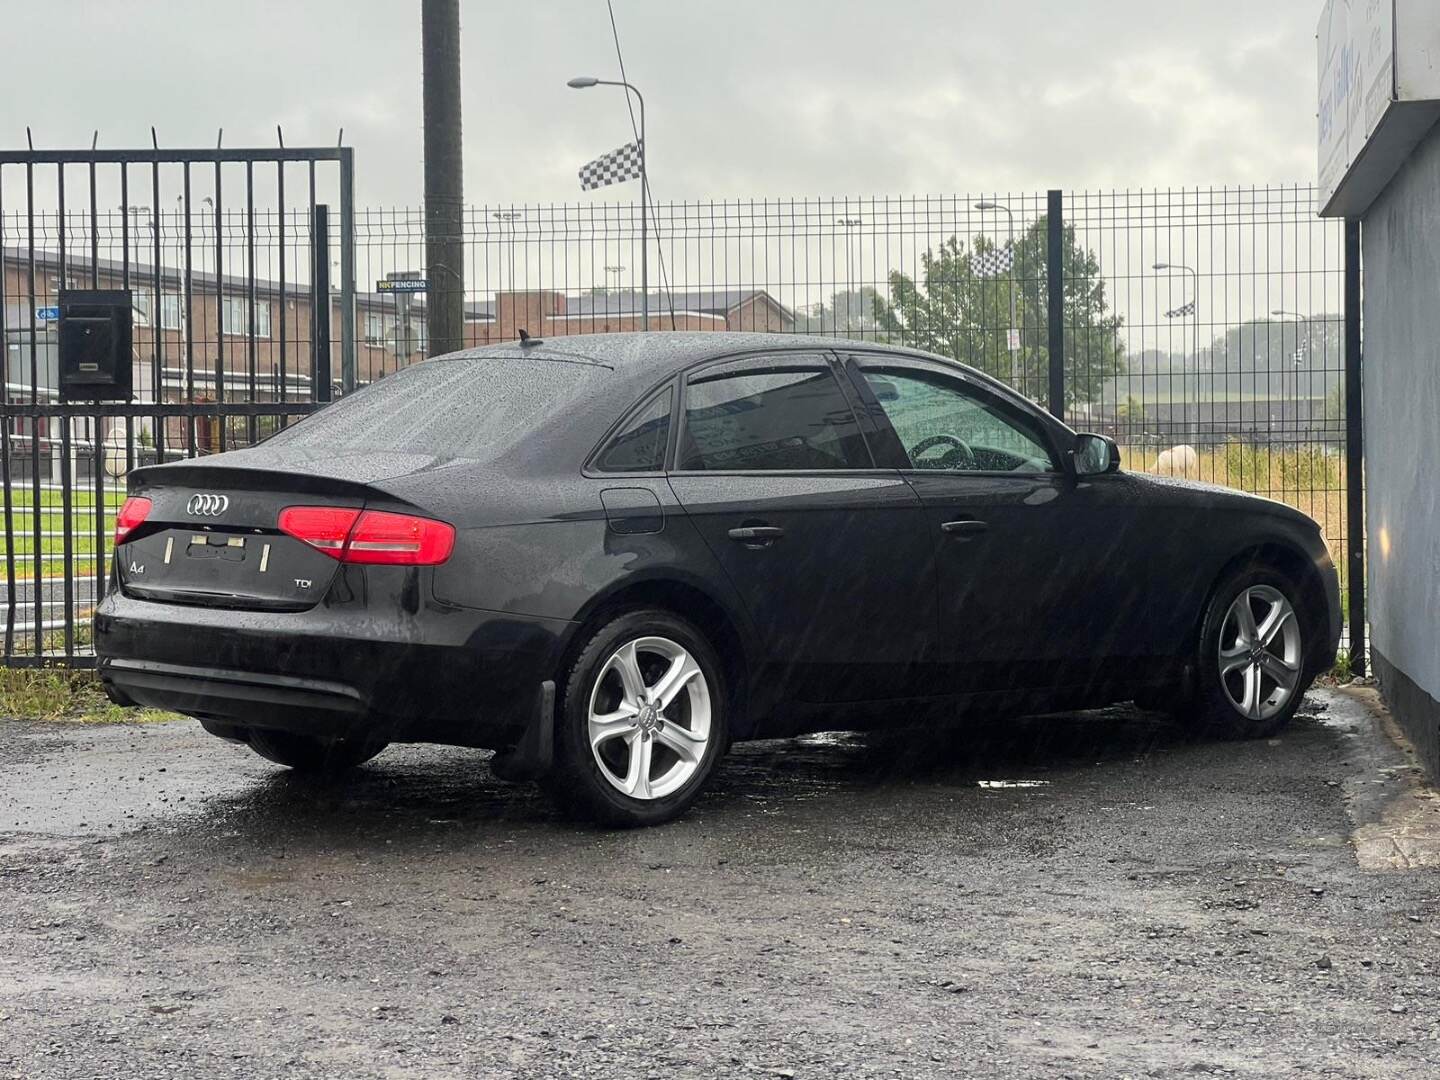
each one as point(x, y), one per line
point(1078, 590)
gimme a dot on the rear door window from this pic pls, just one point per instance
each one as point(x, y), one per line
point(641, 443)
point(769, 415)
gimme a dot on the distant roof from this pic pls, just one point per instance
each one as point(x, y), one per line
point(623, 302)
point(142, 275)
point(703, 302)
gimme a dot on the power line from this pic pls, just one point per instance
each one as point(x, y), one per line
point(645, 179)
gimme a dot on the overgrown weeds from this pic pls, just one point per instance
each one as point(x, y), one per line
point(64, 695)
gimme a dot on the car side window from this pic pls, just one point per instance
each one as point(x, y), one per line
point(752, 416)
point(640, 445)
point(945, 425)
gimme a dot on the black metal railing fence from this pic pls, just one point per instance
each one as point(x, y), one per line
point(224, 254)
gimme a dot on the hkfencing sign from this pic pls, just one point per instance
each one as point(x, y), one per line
point(1378, 94)
point(398, 285)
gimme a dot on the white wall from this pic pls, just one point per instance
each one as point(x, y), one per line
point(1402, 416)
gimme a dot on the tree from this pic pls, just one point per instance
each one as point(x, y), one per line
point(850, 313)
point(1131, 411)
point(956, 311)
point(1335, 403)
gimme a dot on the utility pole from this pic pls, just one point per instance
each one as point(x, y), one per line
point(444, 175)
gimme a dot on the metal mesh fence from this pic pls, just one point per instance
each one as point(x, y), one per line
point(1202, 328)
point(218, 251)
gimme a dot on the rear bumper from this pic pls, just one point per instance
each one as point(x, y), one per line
point(444, 675)
point(318, 706)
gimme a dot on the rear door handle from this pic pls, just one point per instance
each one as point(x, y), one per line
point(757, 534)
point(964, 529)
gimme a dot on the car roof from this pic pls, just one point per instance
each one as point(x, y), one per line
point(643, 359)
point(660, 353)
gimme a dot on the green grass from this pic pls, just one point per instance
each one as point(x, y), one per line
point(54, 567)
point(57, 694)
point(50, 512)
point(81, 543)
point(80, 498)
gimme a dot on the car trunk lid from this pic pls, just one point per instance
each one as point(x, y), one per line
point(212, 536)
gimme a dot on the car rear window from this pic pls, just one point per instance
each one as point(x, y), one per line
point(472, 408)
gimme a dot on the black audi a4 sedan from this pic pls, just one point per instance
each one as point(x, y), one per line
point(608, 557)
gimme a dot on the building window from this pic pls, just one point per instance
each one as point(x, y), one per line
point(171, 306)
point(237, 317)
point(375, 328)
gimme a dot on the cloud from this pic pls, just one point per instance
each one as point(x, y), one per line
point(749, 98)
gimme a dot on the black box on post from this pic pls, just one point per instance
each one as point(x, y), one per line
point(96, 354)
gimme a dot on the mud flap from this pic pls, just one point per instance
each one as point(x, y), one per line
point(534, 754)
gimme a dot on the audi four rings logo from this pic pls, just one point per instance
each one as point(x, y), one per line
point(204, 504)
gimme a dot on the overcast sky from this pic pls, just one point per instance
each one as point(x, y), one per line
point(746, 97)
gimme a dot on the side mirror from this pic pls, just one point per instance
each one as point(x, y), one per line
point(1095, 455)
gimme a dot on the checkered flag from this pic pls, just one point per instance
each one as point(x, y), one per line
point(994, 262)
point(1181, 311)
point(613, 168)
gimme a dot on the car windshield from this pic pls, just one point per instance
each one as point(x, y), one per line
point(472, 408)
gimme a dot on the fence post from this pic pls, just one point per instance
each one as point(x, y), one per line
point(320, 302)
point(1055, 288)
point(1354, 451)
point(347, 271)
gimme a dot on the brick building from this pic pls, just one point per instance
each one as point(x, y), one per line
point(546, 313)
point(264, 354)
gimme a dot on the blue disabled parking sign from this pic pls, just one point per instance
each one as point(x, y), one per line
point(47, 314)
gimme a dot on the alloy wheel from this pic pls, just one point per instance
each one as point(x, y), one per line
point(649, 718)
point(1260, 657)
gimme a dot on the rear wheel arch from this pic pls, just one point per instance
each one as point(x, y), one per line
point(686, 601)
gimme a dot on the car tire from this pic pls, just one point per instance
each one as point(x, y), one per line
point(631, 748)
point(309, 754)
point(1251, 674)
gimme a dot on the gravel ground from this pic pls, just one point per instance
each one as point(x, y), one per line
point(1140, 905)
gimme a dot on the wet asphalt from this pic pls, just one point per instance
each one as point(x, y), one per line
point(1095, 895)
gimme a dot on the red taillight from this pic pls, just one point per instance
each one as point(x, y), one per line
point(374, 536)
point(133, 513)
point(323, 527)
point(399, 539)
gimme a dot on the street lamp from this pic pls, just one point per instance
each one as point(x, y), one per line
point(1013, 338)
point(507, 219)
point(585, 82)
point(849, 224)
point(1160, 267)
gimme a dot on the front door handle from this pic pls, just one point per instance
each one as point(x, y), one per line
point(965, 529)
point(757, 534)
